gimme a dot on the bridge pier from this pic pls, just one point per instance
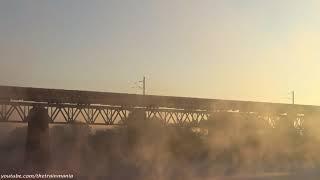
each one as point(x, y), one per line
point(37, 149)
point(135, 126)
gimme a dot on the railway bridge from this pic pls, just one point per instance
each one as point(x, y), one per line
point(39, 107)
point(105, 108)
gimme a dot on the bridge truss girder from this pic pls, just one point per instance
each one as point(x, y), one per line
point(99, 114)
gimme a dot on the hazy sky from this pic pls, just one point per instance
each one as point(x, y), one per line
point(226, 49)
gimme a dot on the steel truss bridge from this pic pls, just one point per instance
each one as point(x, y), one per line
point(103, 108)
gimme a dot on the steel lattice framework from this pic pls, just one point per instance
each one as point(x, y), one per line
point(98, 114)
point(97, 108)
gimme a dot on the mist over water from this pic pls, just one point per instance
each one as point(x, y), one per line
point(235, 147)
point(177, 53)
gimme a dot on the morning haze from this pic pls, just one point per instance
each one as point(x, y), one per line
point(248, 50)
point(219, 50)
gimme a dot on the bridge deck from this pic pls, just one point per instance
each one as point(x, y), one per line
point(133, 100)
point(69, 106)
